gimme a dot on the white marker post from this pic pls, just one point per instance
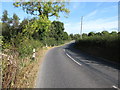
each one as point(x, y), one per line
point(46, 46)
point(33, 57)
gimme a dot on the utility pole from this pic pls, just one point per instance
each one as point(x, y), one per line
point(81, 27)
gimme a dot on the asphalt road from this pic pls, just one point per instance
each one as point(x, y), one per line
point(66, 67)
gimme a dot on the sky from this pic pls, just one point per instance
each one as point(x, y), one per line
point(97, 16)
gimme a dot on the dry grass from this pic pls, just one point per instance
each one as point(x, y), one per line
point(9, 69)
point(21, 73)
point(28, 75)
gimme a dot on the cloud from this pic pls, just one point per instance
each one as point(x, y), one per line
point(96, 26)
point(96, 21)
point(91, 14)
point(100, 11)
point(99, 25)
point(76, 5)
point(72, 28)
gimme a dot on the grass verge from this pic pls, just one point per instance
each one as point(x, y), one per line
point(27, 75)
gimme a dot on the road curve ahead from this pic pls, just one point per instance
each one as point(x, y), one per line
point(66, 67)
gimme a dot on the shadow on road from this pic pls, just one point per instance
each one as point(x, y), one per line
point(90, 58)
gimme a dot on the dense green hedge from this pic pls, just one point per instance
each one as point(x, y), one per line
point(106, 46)
point(106, 41)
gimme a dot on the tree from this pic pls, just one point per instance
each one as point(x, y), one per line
point(15, 20)
point(23, 23)
point(6, 31)
point(65, 36)
point(72, 36)
point(38, 29)
point(98, 33)
point(5, 17)
point(84, 35)
point(104, 32)
point(5, 25)
point(113, 33)
point(76, 36)
point(47, 9)
point(91, 34)
point(57, 30)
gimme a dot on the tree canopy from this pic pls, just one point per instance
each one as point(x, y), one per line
point(91, 34)
point(47, 9)
point(57, 29)
point(15, 20)
point(5, 16)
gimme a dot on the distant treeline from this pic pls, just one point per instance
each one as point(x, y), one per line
point(103, 44)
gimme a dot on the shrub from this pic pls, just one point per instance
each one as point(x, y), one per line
point(100, 41)
point(26, 47)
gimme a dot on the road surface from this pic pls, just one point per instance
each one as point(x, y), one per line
point(66, 67)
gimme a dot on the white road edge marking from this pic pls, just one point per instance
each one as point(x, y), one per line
point(73, 59)
point(115, 87)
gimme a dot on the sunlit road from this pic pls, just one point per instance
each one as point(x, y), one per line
point(66, 67)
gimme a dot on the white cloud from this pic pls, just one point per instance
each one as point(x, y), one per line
point(91, 14)
point(99, 25)
point(92, 24)
point(96, 12)
point(96, 26)
point(76, 5)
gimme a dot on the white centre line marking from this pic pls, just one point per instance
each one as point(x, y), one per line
point(115, 87)
point(73, 59)
point(64, 50)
